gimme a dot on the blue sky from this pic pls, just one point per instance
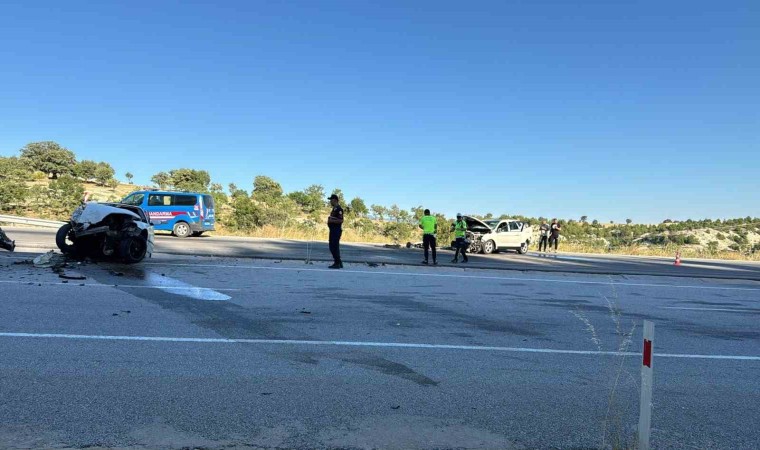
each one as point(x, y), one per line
point(647, 110)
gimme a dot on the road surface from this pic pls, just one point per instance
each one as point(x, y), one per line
point(245, 353)
point(318, 251)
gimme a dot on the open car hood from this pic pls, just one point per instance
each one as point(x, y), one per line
point(93, 213)
point(476, 225)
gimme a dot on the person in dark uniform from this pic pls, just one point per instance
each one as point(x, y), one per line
point(554, 236)
point(335, 224)
point(5, 242)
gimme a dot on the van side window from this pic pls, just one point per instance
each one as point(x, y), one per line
point(159, 200)
point(134, 199)
point(185, 200)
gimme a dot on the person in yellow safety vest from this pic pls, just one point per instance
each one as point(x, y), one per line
point(460, 233)
point(429, 227)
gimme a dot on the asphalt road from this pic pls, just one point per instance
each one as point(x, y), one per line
point(318, 251)
point(244, 353)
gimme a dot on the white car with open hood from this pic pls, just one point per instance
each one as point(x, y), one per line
point(488, 236)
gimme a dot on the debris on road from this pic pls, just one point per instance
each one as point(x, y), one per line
point(396, 407)
point(49, 260)
point(71, 275)
point(303, 311)
point(117, 274)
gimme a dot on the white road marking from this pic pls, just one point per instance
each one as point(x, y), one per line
point(712, 309)
point(445, 275)
point(368, 344)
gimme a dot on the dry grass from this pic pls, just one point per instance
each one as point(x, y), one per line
point(272, 232)
point(668, 251)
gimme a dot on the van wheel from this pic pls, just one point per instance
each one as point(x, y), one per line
point(198, 233)
point(181, 229)
point(489, 247)
point(523, 248)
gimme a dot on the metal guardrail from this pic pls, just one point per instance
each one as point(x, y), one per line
point(30, 221)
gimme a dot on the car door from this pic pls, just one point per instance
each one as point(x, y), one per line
point(501, 233)
point(513, 235)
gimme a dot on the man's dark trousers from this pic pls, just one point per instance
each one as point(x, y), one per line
point(428, 241)
point(335, 234)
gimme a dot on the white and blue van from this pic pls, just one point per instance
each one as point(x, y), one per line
point(183, 213)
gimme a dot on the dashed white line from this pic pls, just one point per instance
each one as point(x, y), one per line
point(458, 276)
point(367, 344)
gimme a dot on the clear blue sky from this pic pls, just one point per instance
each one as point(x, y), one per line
point(611, 109)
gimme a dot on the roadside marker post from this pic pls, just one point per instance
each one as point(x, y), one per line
point(645, 411)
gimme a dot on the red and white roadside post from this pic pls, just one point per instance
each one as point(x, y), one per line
point(645, 412)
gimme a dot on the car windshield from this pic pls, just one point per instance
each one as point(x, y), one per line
point(492, 223)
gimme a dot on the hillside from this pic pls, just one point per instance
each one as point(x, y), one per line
point(47, 181)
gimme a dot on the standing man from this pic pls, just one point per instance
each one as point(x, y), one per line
point(460, 233)
point(543, 239)
point(335, 224)
point(6, 243)
point(429, 228)
point(554, 236)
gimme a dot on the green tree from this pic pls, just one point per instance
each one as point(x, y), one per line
point(628, 221)
point(379, 211)
point(13, 189)
point(584, 219)
point(104, 174)
point(189, 180)
point(129, 177)
point(245, 213)
point(12, 168)
point(161, 179)
point(85, 169)
point(64, 195)
point(49, 157)
point(358, 207)
point(417, 213)
point(314, 198)
point(595, 222)
point(266, 190)
point(339, 193)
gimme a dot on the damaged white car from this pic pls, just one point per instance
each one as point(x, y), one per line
point(111, 230)
point(489, 236)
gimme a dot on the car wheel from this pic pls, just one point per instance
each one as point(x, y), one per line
point(64, 239)
point(181, 229)
point(133, 249)
point(523, 248)
point(489, 247)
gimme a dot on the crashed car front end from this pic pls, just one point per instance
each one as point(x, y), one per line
point(108, 230)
